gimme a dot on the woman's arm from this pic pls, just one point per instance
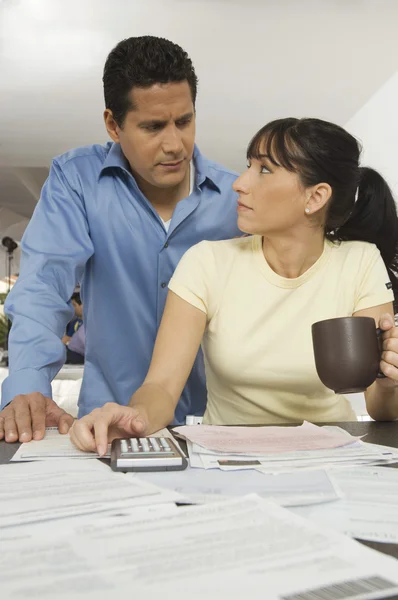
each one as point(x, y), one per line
point(177, 344)
point(152, 406)
point(382, 396)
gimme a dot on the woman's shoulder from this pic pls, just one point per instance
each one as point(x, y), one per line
point(354, 248)
point(223, 248)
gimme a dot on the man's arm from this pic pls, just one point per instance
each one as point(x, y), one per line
point(55, 249)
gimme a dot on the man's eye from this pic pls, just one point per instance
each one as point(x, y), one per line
point(153, 127)
point(183, 123)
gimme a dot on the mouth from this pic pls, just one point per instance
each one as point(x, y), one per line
point(243, 207)
point(171, 165)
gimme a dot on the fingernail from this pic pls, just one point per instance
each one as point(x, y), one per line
point(23, 436)
point(36, 435)
point(101, 450)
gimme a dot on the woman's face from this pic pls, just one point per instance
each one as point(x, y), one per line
point(271, 199)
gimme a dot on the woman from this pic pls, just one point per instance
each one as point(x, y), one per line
point(311, 212)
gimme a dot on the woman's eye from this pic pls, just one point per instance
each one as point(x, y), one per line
point(264, 169)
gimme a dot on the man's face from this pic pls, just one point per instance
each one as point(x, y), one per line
point(158, 135)
point(78, 309)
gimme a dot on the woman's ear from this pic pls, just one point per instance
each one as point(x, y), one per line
point(317, 197)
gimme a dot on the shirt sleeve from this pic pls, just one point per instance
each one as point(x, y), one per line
point(374, 286)
point(55, 248)
point(195, 280)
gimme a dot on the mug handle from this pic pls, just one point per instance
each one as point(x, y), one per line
point(379, 333)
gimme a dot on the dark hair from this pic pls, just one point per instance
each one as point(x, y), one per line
point(361, 206)
point(141, 62)
point(76, 297)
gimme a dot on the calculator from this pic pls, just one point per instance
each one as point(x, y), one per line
point(147, 454)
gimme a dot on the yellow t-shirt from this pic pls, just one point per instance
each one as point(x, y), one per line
point(259, 360)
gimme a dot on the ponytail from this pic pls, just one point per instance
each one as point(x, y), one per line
point(374, 219)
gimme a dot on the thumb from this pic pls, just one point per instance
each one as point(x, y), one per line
point(386, 322)
point(65, 422)
point(139, 421)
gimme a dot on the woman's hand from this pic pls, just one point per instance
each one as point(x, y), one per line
point(389, 357)
point(94, 432)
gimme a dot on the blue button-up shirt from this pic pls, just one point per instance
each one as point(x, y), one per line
point(93, 225)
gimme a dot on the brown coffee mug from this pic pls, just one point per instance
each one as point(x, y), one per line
point(347, 353)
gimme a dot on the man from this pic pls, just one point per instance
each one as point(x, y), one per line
point(76, 347)
point(77, 320)
point(117, 218)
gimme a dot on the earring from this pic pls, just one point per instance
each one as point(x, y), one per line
point(307, 211)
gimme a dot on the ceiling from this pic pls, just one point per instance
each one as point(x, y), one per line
point(256, 60)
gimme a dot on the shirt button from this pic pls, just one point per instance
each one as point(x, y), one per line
point(166, 245)
point(163, 284)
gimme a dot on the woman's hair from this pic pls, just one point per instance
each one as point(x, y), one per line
point(361, 206)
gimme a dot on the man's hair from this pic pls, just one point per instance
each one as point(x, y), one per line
point(142, 62)
point(76, 297)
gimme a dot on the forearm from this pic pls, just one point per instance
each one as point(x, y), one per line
point(157, 403)
point(382, 401)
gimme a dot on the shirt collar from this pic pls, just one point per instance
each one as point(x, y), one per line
point(116, 158)
point(203, 174)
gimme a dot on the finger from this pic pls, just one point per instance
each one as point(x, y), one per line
point(2, 432)
point(391, 358)
point(386, 322)
point(10, 426)
point(391, 343)
point(389, 371)
point(138, 425)
point(81, 434)
point(101, 428)
point(23, 419)
point(391, 333)
point(38, 417)
point(65, 422)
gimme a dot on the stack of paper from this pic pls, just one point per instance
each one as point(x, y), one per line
point(287, 489)
point(368, 508)
point(41, 491)
point(278, 449)
point(243, 548)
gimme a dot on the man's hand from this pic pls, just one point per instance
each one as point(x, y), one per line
point(94, 432)
point(28, 415)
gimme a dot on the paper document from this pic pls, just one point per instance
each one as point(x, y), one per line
point(40, 491)
point(369, 507)
point(246, 548)
point(287, 489)
point(263, 439)
point(55, 445)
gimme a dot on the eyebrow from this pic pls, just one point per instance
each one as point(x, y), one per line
point(161, 123)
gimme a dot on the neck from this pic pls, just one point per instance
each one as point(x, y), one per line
point(164, 200)
point(292, 255)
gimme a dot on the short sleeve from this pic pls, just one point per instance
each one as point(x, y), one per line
point(195, 279)
point(374, 286)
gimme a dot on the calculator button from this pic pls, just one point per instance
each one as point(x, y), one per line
point(165, 444)
point(155, 444)
point(124, 447)
point(144, 444)
point(134, 445)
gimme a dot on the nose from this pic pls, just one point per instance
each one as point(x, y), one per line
point(172, 141)
point(241, 185)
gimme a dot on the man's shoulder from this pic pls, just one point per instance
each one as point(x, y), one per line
point(94, 154)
